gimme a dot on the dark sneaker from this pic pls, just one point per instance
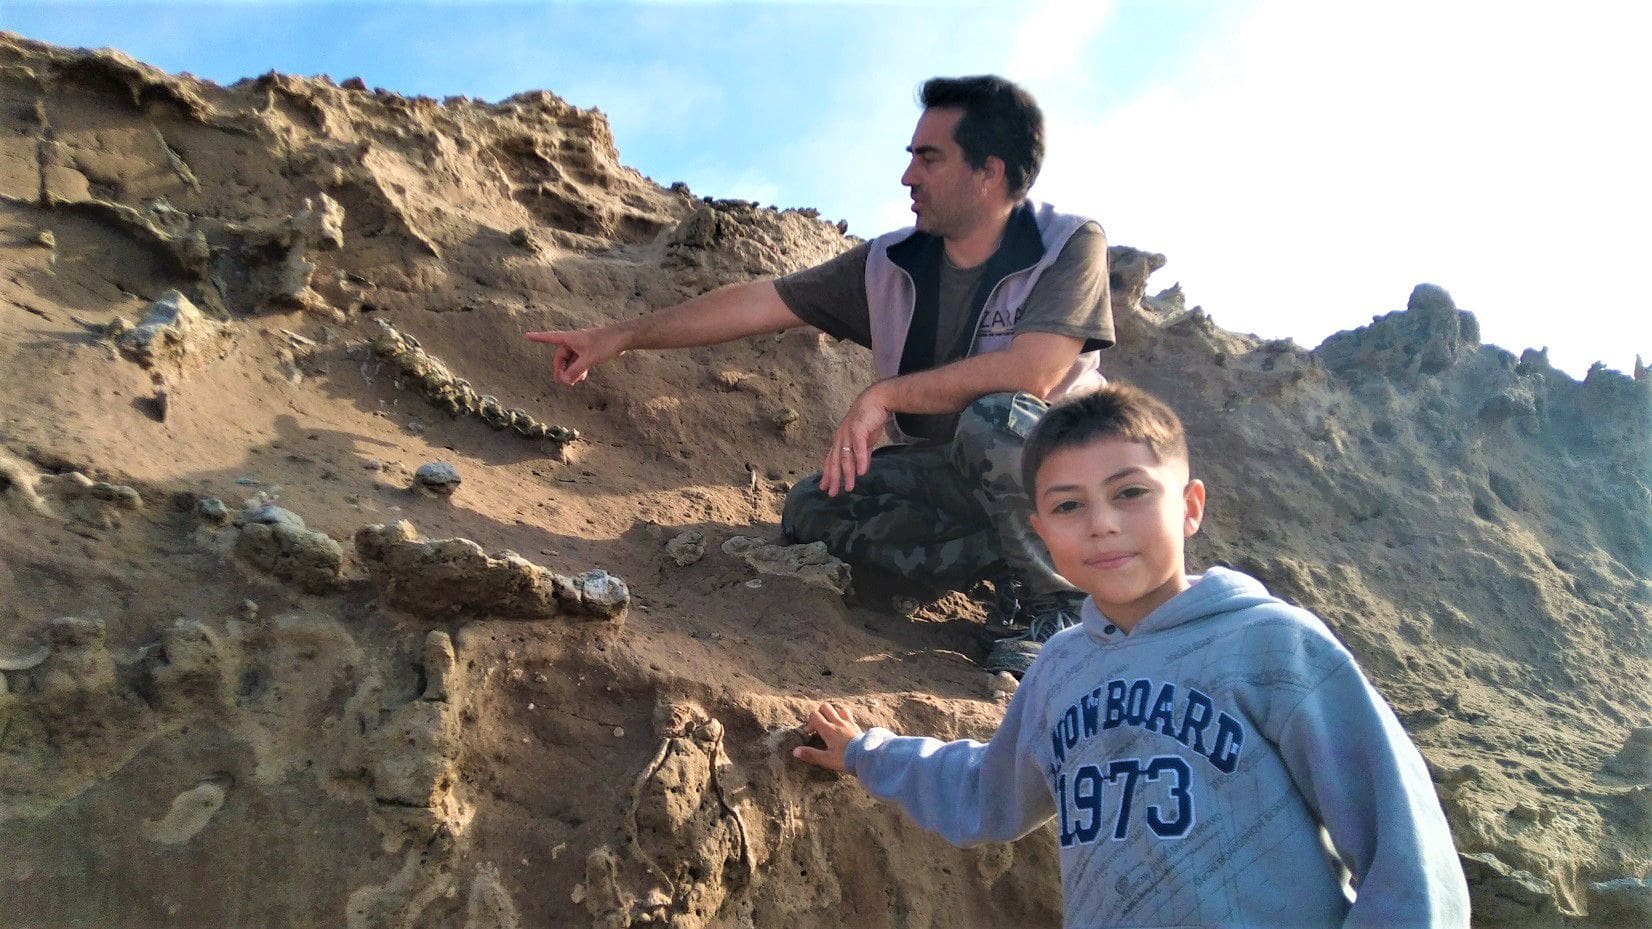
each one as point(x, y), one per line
point(1005, 618)
point(1045, 617)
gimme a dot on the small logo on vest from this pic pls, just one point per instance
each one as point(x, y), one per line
point(997, 323)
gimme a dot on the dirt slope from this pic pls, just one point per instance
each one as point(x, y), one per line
point(227, 702)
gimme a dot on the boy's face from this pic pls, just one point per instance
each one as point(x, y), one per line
point(1115, 518)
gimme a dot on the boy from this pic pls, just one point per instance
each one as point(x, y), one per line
point(1193, 737)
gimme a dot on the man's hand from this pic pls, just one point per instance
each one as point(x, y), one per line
point(580, 350)
point(836, 728)
point(850, 453)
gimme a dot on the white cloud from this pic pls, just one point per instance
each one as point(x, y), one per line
point(1054, 35)
point(1326, 157)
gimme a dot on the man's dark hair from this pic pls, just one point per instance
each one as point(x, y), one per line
point(1115, 411)
point(1000, 119)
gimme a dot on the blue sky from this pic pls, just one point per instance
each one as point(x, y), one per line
point(1301, 163)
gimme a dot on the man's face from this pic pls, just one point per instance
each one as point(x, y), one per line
point(947, 194)
point(1115, 519)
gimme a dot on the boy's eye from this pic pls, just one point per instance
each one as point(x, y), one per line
point(1065, 506)
point(1132, 493)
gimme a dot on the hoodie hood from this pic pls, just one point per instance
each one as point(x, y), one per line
point(1216, 592)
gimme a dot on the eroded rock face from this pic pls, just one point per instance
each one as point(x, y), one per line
point(275, 257)
point(276, 540)
point(1633, 761)
point(192, 670)
point(88, 726)
point(19, 487)
point(810, 563)
point(1626, 901)
point(1424, 339)
point(455, 577)
point(1502, 895)
point(687, 547)
point(71, 496)
point(70, 722)
point(687, 840)
point(174, 335)
point(1128, 270)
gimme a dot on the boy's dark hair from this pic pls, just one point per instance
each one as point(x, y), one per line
point(1115, 411)
point(1000, 119)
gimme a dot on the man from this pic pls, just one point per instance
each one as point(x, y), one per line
point(990, 307)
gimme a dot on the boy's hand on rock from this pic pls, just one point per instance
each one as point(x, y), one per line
point(836, 728)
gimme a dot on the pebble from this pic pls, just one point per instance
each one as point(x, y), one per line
point(1003, 683)
point(24, 661)
point(1634, 760)
point(603, 593)
point(784, 418)
point(687, 547)
point(619, 732)
point(1462, 774)
point(213, 509)
point(118, 327)
point(271, 515)
point(437, 477)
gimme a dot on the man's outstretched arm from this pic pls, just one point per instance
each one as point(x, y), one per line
point(1035, 363)
point(722, 315)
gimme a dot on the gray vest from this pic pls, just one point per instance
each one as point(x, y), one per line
point(1035, 230)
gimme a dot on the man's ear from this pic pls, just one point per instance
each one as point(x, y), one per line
point(1193, 503)
point(992, 171)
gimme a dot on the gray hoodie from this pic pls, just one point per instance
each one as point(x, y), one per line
point(1224, 764)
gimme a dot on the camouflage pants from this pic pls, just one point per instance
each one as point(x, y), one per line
point(944, 513)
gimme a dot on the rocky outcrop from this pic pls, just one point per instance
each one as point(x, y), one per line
point(1425, 339)
point(455, 577)
point(809, 563)
point(687, 841)
point(175, 337)
point(275, 540)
